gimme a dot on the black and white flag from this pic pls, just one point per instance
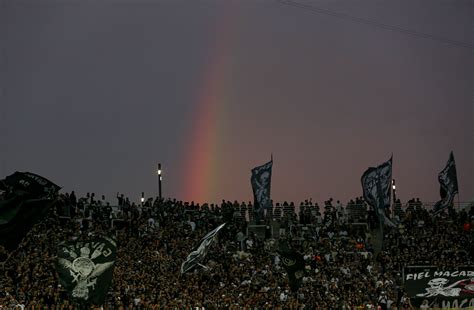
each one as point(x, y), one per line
point(261, 179)
point(376, 183)
point(29, 183)
point(448, 182)
point(85, 269)
point(195, 258)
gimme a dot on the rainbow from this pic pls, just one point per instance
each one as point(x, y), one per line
point(201, 157)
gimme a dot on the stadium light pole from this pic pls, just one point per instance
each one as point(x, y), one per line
point(142, 199)
point(394, 189)
point(159, 181)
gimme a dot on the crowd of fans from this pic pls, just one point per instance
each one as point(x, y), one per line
point(154, 238)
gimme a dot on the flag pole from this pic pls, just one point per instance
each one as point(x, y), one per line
point(459, 199)
point(457, 185)
point(203, 266)
point(392, 185)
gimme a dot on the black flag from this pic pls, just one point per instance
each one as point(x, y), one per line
point(18, 216)
point(293, 262)
point(85, 269)
point(376, 182)
point(29, 183)
point(195, 258)
point(28, 197)
point(261, 179)
point(448, 182)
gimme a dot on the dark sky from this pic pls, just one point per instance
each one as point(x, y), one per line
point(96, 93)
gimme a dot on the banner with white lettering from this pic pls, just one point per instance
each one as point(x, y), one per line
point(29, 183)
point(449, 288)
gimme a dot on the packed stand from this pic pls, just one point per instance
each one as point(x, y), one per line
point(155, 237)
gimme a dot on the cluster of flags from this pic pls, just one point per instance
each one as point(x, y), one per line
point(85, 268)
point(376, 188)
point(376, 185)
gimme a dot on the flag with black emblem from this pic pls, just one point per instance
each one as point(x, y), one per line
point(261, 179)
point(85, 269)
point(294, 264)
point(448, 182)
point(196, 257)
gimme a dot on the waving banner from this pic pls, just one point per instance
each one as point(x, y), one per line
point(28, 197)
point(261, 180)
point(29, 183)
point(448, 182)
point(196, 257)
point(294, 264)
point(376, 183)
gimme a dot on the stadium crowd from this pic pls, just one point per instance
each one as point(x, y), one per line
point(154, 238)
